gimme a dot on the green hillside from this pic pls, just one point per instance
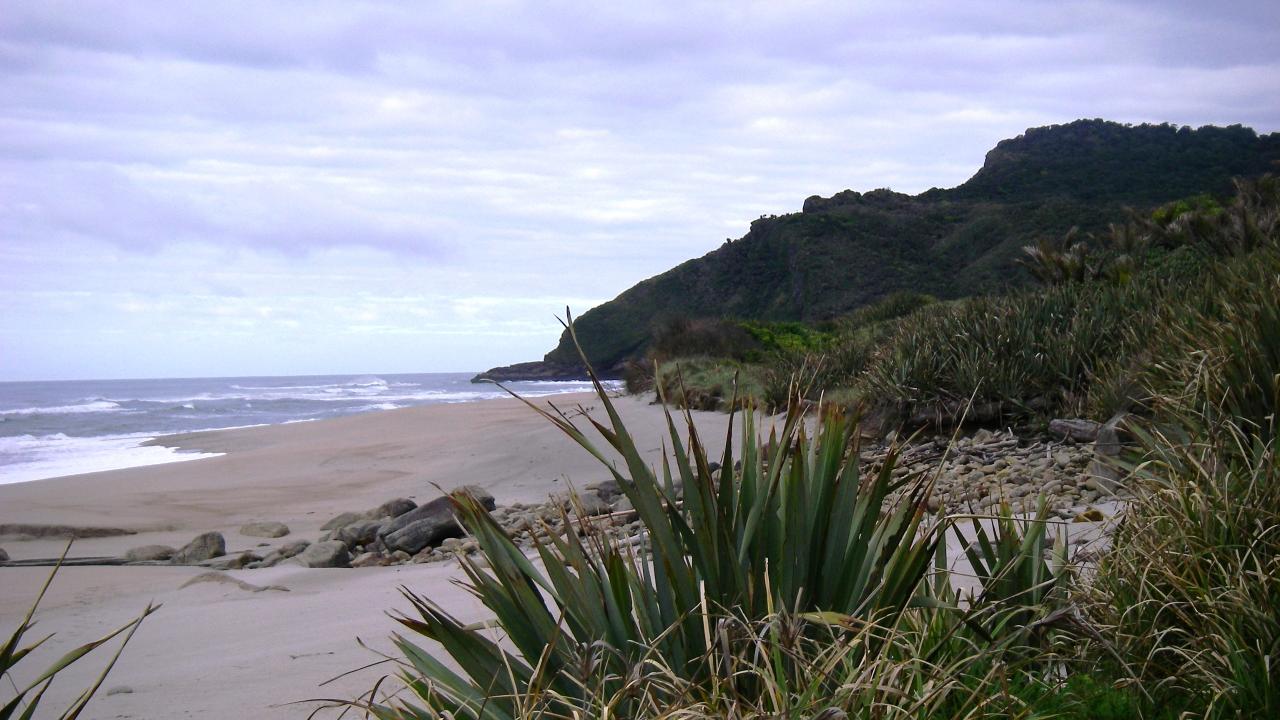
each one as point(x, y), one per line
point(849, 250)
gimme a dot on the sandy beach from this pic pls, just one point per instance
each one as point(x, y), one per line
point(219, 651)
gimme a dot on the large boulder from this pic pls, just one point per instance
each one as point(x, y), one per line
point(1075, 429)
point(203, 547)
point(4, 556)
point(149, 553)
point(430, 523)
point(264, 529)
point(329, 554)
point(392, 509)
point(590, 503)
point(342, 520)
point(361, 533)
point(606, 489)
point(436, 508)
point(284, 552)
point(425, 532)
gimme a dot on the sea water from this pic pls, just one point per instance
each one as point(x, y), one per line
point(50, 429)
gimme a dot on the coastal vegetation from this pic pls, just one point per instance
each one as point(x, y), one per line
point(853, 249)
point(794, 577)
point(795, 582)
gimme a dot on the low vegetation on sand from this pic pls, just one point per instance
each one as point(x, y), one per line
point(793, 581)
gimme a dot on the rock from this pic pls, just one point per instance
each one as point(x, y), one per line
point(360, 533)
point(231, 562)
point(284, 552)
point(401, 556)
point(4, 556)
point(149, 553)
point(120, 690)
point(590, 504)
point(1078, 430)
point(1111, 436)
point(369, 559)
point(343, 520)
point(623, 504)
point(391, 509)
point(1091, 515)
point(265, 529)
point(203, 547)
point(330, 554)
point(429, 530)
point(607, 489)
point(429, 523)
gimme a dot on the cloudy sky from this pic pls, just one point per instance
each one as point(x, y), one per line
point(221, 188)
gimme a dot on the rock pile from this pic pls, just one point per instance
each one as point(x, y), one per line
point(976, 474)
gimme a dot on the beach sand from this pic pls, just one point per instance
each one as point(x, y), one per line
point(217, 651)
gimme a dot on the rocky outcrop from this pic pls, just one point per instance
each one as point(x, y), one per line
point(537, 370)
point(204, 547)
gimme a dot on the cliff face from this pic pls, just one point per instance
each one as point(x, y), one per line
point(850, 249)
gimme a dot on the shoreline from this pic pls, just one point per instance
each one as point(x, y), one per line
point(277, 646)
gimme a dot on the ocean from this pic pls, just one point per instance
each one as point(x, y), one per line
point(50, 429)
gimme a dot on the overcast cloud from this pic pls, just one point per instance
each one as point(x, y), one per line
point(215, 188)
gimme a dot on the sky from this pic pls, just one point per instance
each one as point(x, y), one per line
point(275, 188)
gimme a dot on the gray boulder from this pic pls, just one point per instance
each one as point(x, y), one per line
point(284, 552)
point(149, 553)
point(429, 523)
point(4, 556)
point(331, 554)
point(607, 489)
point(361, 533)
point(342, 520)
point(424, 532)
point(436, 508)
point(589, 503)
point(1078, 430)
point(264, 528)
point(392, 508)
point(1111, 436)
point(203, 547)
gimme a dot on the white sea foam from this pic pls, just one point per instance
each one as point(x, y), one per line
point(93, 406)
point(27, 457)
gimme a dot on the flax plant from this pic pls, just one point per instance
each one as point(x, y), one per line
point(790, 527)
